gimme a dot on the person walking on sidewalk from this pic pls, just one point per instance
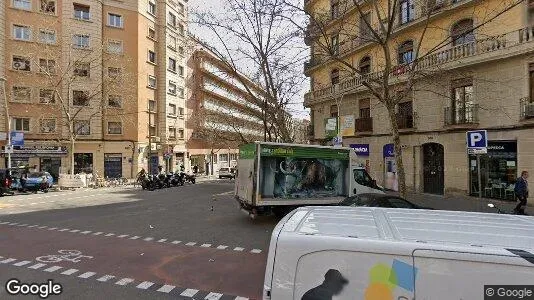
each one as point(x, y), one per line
point(521, 192)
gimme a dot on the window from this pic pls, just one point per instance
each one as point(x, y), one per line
point(223, 157)
point(47, 125)
point(462, 32)
point(172, 65)
point(365, 65)
point(21, 63)
point(181, 92)
point(82, 127)
point(334, 76)
point(152, 56)
point(463, 104)
point(407, 11)
point(80, 98)
point(151, 33)
point(82, 69)
point(151, 105)
point(365, 108)
point(47, 96)
point(22, 33)
point(152, 130)
point(181, 71)
point(81, 12)
point(22, 4)
point(22, 94)
point(405, 53)
point(334, 9)
point(180, 133)
point(114, 128)
point(47, 66)
point(181, 50)
point(181, 8)
point(172, 109)
point(172, 132)
point(333, 111)
point(20, 124)
point(172, 20)
point(171, 42)
point(115, 20)
point(80, 41)
point(334, 43)
point(180, 111)
point(151, 81)
point(114, 101)
point(172, 88)
point(47, 36)
point(48, 6)
point(115, 46)
point(114, 72)
point(181, 29)
point(152, 8)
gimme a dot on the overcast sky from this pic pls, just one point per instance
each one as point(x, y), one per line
point(298, 109)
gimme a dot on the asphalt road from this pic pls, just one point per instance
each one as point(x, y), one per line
point(185, 242)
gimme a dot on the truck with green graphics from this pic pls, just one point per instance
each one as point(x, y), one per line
point(276, 178)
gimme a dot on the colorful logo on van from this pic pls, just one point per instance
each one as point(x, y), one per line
point(383, 280)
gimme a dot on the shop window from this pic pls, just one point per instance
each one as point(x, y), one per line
point(462, 32)
point(83, 162)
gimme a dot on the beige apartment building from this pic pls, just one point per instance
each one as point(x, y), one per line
point(111, 73)
point(220, 110)
point(482, 79)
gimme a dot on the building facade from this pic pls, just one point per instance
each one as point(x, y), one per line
point(102, 75)
point(222, 114)
point(482, 79)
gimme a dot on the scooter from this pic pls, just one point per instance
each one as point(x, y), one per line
point(190, 178)
point(147, 183)
point(177, 179)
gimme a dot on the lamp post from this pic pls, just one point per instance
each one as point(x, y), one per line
point(3, 80)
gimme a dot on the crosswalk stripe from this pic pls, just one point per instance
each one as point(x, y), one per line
point(213, 296)
point(86, 232)
point(176, 242)
point(222, 247)
point(105, 278)
point(205, 245)
point(69, 272)
point(22, 263)
point(255, 251)
point(6, 261)
point(110, 234)
point(36, 266)
point(166, 288)
point(53, 269)
point(189, 293)
point(134, 237)
point(240, 298)
point(190, 244)
point(148, 239)
point(87, 274)
point(74, 230)
point(145, 285)
point(239, 249)
point(64, 229)
point(123, 235)
point(124, 281)
point(98, 233)
point(162, 241)
point(52, 228)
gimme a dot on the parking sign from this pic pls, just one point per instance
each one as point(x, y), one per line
point(477, 142)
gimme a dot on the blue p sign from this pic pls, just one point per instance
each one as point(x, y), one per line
point(477, 139)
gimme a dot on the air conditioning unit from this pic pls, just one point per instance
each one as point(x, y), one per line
point(529, 110)
point(19, 65)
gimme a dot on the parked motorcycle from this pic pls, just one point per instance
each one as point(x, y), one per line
point(189, 178)
point(177, 179)
point(147, 182)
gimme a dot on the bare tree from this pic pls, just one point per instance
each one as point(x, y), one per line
point(255, 40)
point(397, 72)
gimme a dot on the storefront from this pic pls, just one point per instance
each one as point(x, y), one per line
point(83, 163)
point(38, 158)
point(113, 165)
point(362, 155)
point(498, 171)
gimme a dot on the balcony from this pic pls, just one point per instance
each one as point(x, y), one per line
point(467, 115)
point(363, 125)
point(527, 109)
point(405, 120)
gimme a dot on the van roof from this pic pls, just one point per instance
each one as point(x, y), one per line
point(406, 225)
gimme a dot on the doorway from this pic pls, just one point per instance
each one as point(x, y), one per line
point(113, 165)
point(51, 165)
point(433, 169)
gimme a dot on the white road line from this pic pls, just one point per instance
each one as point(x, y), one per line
point(213, 296)
point(6, 261)
point(124, 235)
point(86, 232)
point(176, 242)
point(205, 245)
point(110, 234)
point(2, 223)
point(11, 224)
point(22, 225)
point(222, 247)
point(98, 233)
point(33, 226)
point(190, 244)
point(240, 298)
point(134, 237)
point(87, 274)
point(145, 285)
point(53, 269)
point(33, 203)
point(124, 281)
point(69, 272)
point(148, 239)
point(22, 263)
point(162, 241)
point(36, 266)
point(189, 293)
point(53, 228)
point(105, 278)
point(255, 251)
point(239, 249)
point(166, 288)
point(64, 229)
point(74, 230)
point(42, 227)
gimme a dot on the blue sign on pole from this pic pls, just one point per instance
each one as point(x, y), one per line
point(337, 141)
point(477, 141)
point(17, 138)
point(360, 149)
point(389, 150)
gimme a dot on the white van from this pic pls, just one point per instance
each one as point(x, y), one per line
point(397, 254)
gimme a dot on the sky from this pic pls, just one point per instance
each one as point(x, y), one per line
point(296, 109)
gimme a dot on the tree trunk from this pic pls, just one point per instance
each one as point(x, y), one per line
point(401, 175)
point(72, 155)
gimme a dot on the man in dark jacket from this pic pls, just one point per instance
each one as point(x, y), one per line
point(332, 285)
point(521, 192)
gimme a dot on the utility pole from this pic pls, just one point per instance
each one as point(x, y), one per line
point(8, 123)
point(149, 155)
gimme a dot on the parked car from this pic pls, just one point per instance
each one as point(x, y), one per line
point(35, 179)
point(226, 173)
point(5, 182)
point(379, 200)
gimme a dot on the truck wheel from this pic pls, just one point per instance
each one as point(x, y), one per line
point(280, 212)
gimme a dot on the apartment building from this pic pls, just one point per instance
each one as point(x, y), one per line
point(221, 112)
point(482, 78)
point(96, 74)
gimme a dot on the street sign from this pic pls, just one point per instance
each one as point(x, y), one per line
point(17, 138)
point(337, 141)
point(9, 149)
point(477, 141)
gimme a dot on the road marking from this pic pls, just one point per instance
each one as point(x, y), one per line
point(41, 227)
point(148, 239)
point(105, 278)
point(124, 281)
point(239, 249)
point(53, 228)
point(86, 232)
point(64, 229)
point(176, 242)
point(190, 244)
point(240, 298)
point(166, 288)
point(11, 224)
point(205, 245)
point(124, 235)
point(36, 266)
point(222, 247)
point(53, 269)
point(255, 251)
point(145, 285)
point(22, 225)
point(98, 233)
point(110, 234)
point(74, 230)
point(22, 263)
point(162, 241)
point(6, 261)
point(213, 296)
point(87, 274)
point(134, 237)
point(189, 293)
point(69, 272)
point(2, 223)
point(33, 203)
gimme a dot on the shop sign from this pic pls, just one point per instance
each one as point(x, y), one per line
point(40, 150)
point(360, 149)
point(502, 146)
point(389, 150)
point(17, 138)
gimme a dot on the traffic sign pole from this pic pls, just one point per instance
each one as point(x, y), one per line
point(479, 177)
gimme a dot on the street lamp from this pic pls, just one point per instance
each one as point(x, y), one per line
point(3, 80)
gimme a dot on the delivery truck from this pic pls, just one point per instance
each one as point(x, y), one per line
point(277, 177)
